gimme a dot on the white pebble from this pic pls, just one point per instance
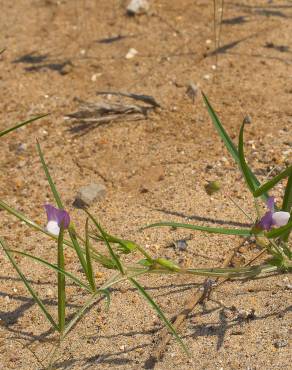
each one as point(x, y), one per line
point(131, 53)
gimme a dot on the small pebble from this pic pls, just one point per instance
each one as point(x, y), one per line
point(89, 194)
point(281, 343)
point(137, 7)
point(95, 76)
point(131, 53)
point(21, 148)
point(50, 293)
point(181, 245)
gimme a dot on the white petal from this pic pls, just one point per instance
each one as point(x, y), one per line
point(53, 227)
point(280, 218)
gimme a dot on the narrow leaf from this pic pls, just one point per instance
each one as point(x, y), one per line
point(287, 203)
point(228, 142)
point(61, 282)
point(223, 134)
point(10, 129)
point(78, 250)
point(104, 236)
point(28, 286)
point(125, 246)
point(154, 305)
point(270, 184)
point(88, 259)
point(49, 178)
point(287, 200)
point(244, 167)
point(215, 230)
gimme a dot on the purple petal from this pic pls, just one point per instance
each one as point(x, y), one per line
point(58, 215)
point(63, 217)
point(271, 204)
point(266, 221)
point(51, 212)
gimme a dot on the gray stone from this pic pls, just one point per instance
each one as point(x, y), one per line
point(89, 194)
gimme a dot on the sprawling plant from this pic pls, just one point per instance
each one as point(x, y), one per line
point(271, 232)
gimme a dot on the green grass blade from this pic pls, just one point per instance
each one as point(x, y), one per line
point(125, 246)
point(49, 178)
point(78, 250)
point(287, 200)
point(287, 203)
point(228, 142)
point(223, 134)
point(10, 129)
point(244, 167)
point(154, 305)
point(28, 286)
point(61, 282)
point(88, 259)
point(214, 230)
point(279, 231)
point(232, 273)
point(53, 267)
point(104, 236)
point(270, 184)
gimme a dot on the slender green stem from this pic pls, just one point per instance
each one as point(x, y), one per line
point(88, 259)
point(104, 237)
point(10, 129)
point(61, 283)
point(240, 272)
point(78, 249)
point(113, 239)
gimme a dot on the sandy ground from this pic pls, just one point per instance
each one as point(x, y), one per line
point(58, 52)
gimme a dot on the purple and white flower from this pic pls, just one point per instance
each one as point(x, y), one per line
point(56, 218)
point(272, 218)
